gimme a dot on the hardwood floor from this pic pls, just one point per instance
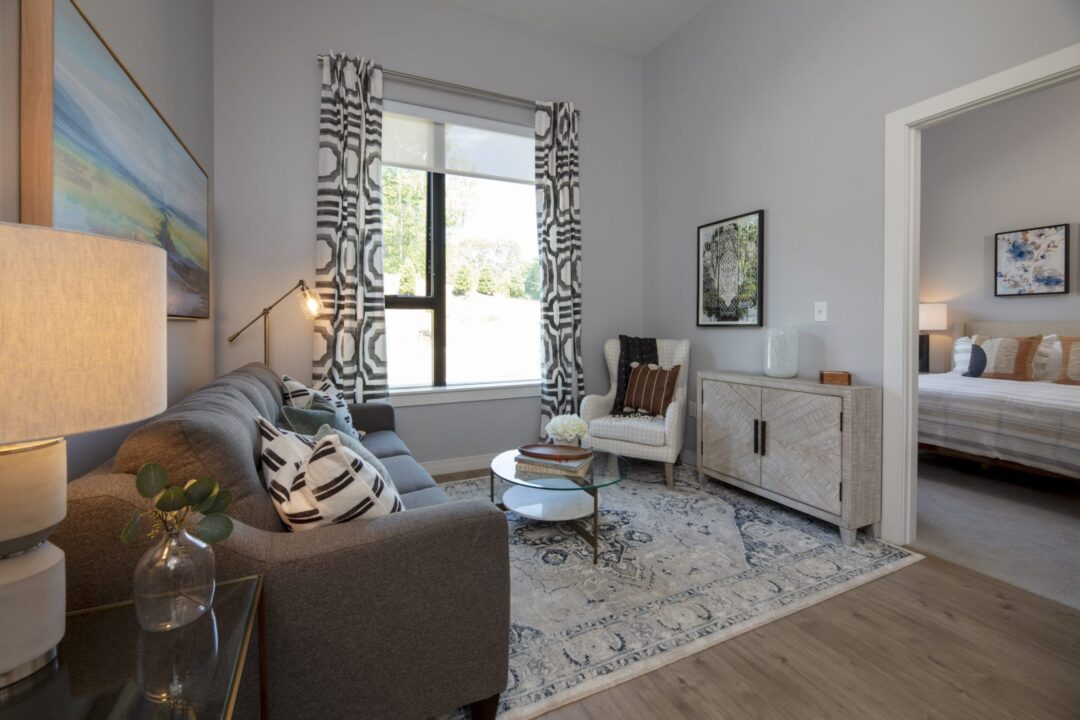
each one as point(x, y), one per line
point(933, 640)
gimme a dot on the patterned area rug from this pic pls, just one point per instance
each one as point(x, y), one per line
point(679, 571)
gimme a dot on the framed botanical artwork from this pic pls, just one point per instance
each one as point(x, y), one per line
point(1032, 262)
point(730, 271)
point(97, 156)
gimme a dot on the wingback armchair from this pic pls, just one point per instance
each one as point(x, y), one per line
point(657, 438)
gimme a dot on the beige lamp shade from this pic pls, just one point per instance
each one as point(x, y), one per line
point(82, 332)
point(933, 316)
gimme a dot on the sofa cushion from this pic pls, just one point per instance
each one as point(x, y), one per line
point(408, 475)
point(321, 485)
point(630, 428)
point(253, 390)
point(357, 447)
point(385, 443)
point(211, 433)
point(424, 498)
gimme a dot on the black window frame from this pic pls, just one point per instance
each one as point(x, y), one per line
point(435, 300)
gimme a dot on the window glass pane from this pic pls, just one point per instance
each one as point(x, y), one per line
point(405, 248)
point(407, 141)
point(493, 282)
point(409, 358)
point(488, 152)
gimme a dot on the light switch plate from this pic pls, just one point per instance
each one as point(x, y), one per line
point(821, 311)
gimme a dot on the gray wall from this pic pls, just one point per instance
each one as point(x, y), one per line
point(168, 47)
point(266, 85)
point(1008, 166)
point(779, 105)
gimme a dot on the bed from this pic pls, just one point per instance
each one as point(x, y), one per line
point(1031, 426)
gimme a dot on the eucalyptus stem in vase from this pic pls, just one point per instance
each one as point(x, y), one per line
point(174, 581)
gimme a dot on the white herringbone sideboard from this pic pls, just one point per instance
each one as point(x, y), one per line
point(813, 447)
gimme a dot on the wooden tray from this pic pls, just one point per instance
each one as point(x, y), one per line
point(557, 453)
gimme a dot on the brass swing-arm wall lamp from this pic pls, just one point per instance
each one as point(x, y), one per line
point(313, 307)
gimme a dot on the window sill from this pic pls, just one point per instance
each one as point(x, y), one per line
point(413, 397)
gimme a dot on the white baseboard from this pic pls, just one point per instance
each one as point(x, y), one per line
point(459, 464)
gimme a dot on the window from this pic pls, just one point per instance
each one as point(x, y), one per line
point(461, 264)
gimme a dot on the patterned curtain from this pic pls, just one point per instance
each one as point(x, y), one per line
point(558, 227)
point(350, 339)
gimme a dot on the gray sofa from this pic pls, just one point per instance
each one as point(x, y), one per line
point(402, 616)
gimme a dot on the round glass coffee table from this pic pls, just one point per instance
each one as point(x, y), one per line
point(559, 498)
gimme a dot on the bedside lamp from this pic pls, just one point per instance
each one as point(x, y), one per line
point(83, 348)
point(932, 316)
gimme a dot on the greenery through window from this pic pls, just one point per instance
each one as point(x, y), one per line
point(461, 265)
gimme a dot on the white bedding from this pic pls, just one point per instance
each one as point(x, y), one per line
point(1032, 423)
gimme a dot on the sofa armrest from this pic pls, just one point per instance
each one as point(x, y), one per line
point(372, 416)
point(406, 615)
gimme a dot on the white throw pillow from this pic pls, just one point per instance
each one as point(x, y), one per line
point(1051, 369)
point(961, 354)
point(318, 483)
point(325, 393)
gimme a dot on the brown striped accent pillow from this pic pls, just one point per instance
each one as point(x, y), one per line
point(1005, 358)
point(650, 388)
point(1070, 360)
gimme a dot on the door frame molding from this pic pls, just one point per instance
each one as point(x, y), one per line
point(903, 131)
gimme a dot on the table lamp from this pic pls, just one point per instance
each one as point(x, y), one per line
point(932, 316)
point(83, 348)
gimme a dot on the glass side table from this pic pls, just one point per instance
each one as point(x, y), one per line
point(108, 667)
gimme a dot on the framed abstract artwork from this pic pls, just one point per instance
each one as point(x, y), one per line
point(731, 271)
point(97, 156)
point(1032, 262)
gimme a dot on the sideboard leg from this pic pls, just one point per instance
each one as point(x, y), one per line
point(847, 535)
point(875, 530)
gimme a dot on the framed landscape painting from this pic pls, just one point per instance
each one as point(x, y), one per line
point(98, 157)
point(1032, 262)
point(730, 277)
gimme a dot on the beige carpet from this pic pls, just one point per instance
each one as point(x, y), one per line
point(1018, 528)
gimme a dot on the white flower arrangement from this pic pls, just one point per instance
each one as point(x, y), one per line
point(566, 428)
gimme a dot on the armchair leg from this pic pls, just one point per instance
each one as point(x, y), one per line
point(669, 475)
point(485, 709)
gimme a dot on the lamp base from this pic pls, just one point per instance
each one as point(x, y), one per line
point(11, 686)
point(924, 353)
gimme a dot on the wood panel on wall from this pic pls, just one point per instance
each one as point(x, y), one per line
point(36, 113)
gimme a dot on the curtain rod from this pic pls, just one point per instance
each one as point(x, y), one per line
point(443, 85)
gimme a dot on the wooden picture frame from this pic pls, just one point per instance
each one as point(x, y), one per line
point(97, 156)
point(1033, 262)
point(731, 271)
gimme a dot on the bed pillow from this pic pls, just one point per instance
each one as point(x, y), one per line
point(320, 485)
point(1043, 354)
point(1006, 358)
point(1052, 368)
point(961, 352)
point(1070, 360)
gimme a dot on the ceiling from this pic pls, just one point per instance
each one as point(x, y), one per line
point(633, 26)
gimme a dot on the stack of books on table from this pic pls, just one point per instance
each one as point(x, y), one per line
point(540, 466)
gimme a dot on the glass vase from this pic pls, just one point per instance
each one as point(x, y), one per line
point(781, 352)
point(174, 582)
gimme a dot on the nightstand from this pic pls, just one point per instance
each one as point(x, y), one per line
point(108, 667)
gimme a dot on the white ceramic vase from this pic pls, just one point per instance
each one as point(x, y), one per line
point(781, 352)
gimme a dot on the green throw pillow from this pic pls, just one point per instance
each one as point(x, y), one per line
point(307, 421)
point(360, 449)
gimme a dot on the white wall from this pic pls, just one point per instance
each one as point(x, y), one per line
point(779, 105)
point(168, 47)
point(266, 85)
point(1008, 166)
